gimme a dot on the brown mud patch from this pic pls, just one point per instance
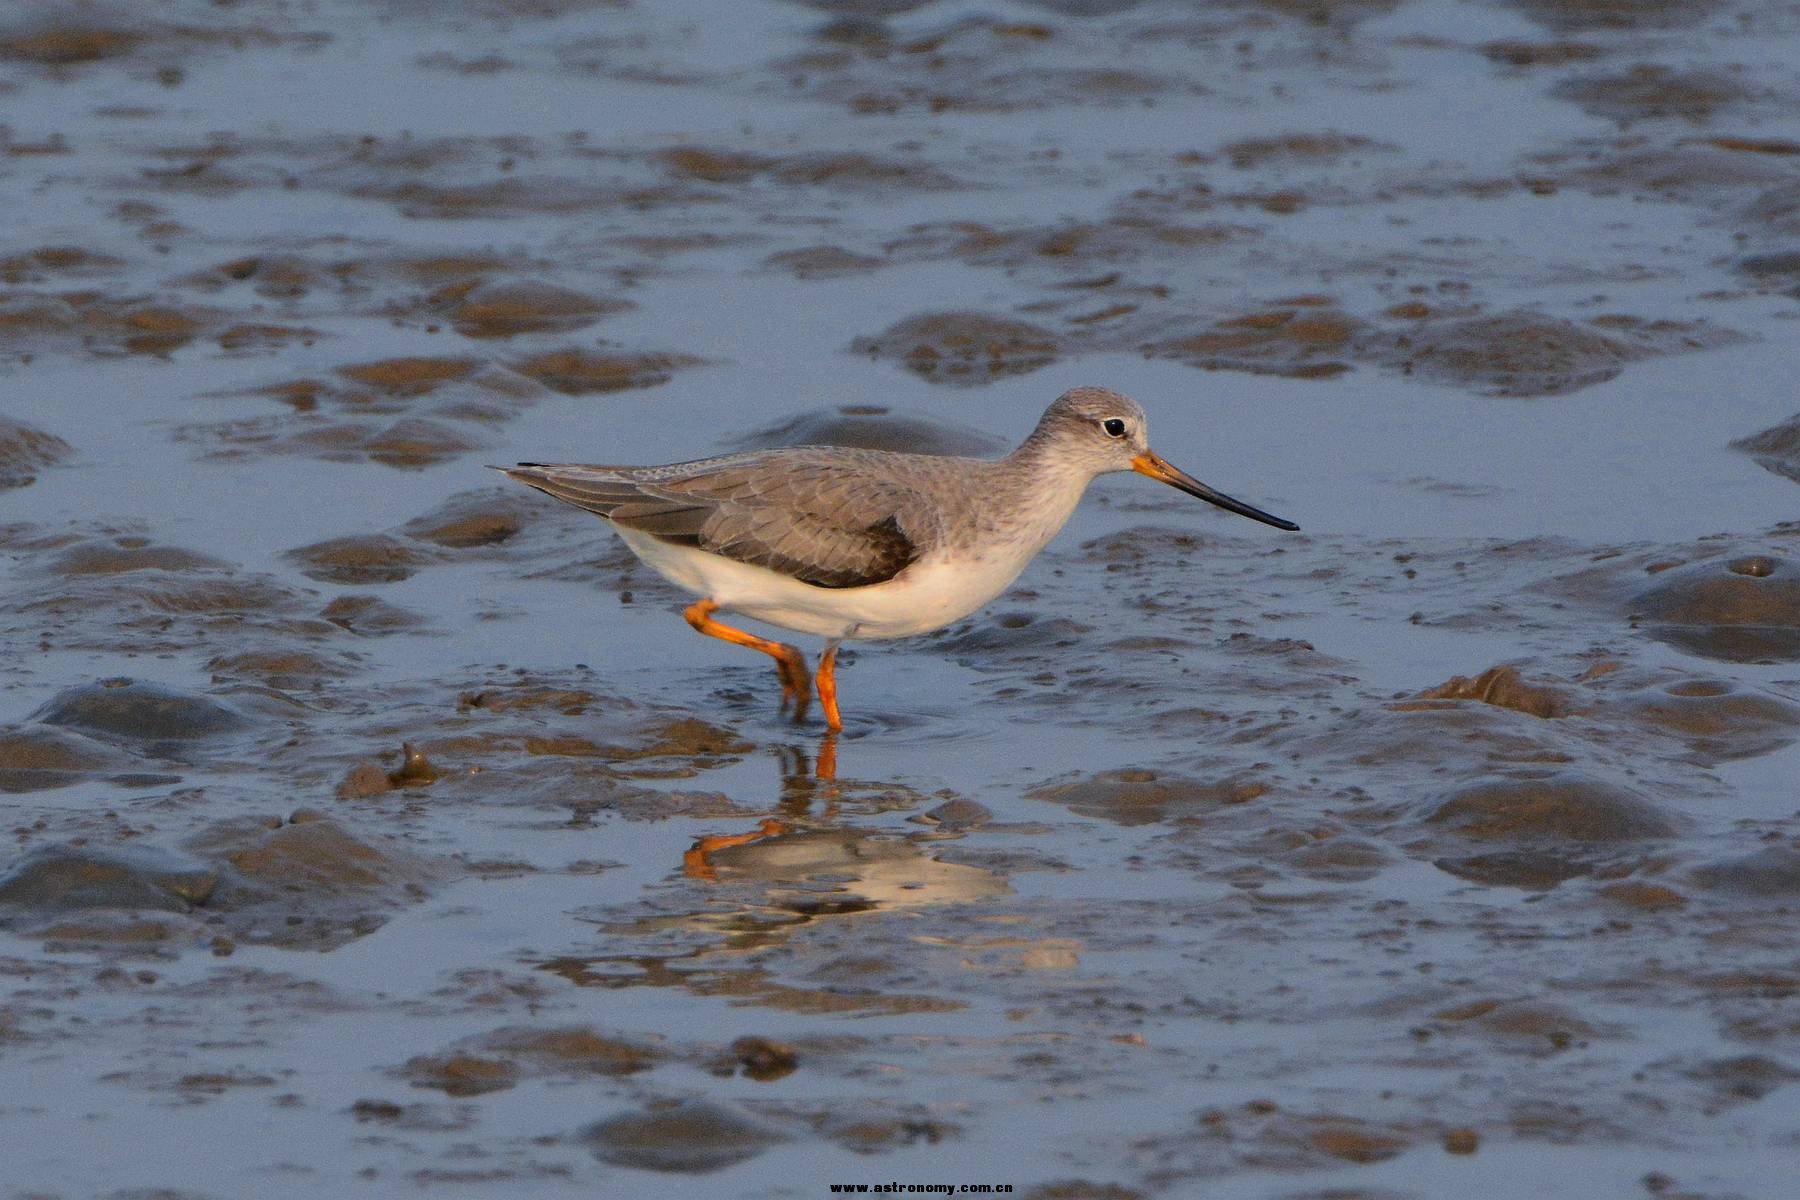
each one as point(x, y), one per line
point(407, 413)
point(688, 1138)
point(963, 347)
point(358, 560)
point(1564, 807)
point(49, 262)
point(370, 616)
point(973, 65)
point(1771, 874)
point(872, 427)
point(1581, 16)
point(95, 323)
point(37, 759)
point(1300, 343)
point(1778, 447)
point(131, 552)
point(1719, 720)
point(25, 450)
point(58, 880)
point(821, 262)
point(1520, 1026)
point(409, 376)
point(308, 882)
point(1651, 92)
point(506, 310)
point(471, 520)
point(826, 169)
point(142, 714)
point(578, 372)
point(1505, 687)
point(1534, 833)
point(1741, 609)
point(1137, 796)
point(1523, 353)
point(574, 1050)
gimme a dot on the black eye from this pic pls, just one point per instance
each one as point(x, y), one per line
point(1113, 426)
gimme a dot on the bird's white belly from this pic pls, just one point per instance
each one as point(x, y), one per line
point(927, 595)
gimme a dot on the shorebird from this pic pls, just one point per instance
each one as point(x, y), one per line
point(862, 544)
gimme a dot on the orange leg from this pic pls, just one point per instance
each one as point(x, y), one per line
point(790, 664)
point(827, 679)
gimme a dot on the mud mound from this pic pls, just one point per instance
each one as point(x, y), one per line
point(96, 324)
point(462, 1075)
point(871, 428)
point(25, 450)
point(64, 879)
point(1778, 447)
point(576, 372)
point(360, 559)
point(409, 376)
point(1537, 833)
point(308, 882)
point(1744, 609)
point(1504, 687)
point(963, 347)
point(118, 555)
point(1141, 797)
point(575, 1050)
point(468, 520)
point(1564, 807)
point(1297, 148)
point(416, 443)
point(53, 45)
point(1719, 719)
point(821, 262)
point(146, 714)
point(1512, 354)
point(1777, 210)
point(689, 1138)
point(370, 616)
point(35, 759)
point(1581, 15)
point(504, 310)
point(1649, 92)
point(1520, 1026)
point(1300, 343)
point(1517, 53)
point(1771, 874)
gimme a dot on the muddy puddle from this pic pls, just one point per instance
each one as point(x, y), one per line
point(377, 826)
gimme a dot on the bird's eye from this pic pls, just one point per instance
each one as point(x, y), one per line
point(1114, 427)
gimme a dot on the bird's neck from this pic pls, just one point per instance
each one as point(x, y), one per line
point(1044, 483)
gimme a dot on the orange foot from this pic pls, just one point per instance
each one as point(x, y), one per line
point(790, 664)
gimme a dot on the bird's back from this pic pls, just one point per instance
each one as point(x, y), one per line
point(827, 515)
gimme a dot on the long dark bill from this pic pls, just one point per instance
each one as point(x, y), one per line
point(1157, 467)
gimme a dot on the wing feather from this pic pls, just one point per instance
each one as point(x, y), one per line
point(831, 523)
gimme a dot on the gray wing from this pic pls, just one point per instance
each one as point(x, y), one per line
point(825, 520)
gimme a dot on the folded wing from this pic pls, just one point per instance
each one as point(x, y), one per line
point(825, 521)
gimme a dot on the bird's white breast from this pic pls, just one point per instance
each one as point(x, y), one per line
point(928, 595)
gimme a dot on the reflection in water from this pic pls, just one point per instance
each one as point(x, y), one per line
point(801, 783)
point(696, 862)
point(881, 872)
point(765, 884)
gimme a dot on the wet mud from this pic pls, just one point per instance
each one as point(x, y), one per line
point(378, 826)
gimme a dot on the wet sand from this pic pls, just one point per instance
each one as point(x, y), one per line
point(377, 826)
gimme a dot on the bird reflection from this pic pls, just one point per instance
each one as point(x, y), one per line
point(803, 780)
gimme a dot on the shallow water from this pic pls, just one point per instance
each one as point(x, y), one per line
point(1235, 888)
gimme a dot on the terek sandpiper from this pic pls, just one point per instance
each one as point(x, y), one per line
point(863, 544)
